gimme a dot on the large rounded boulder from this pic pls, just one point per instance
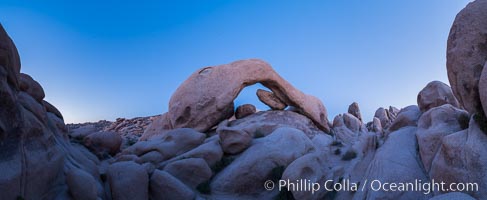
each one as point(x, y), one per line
point(467, 53)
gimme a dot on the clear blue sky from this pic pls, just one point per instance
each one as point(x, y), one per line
point(108, 59)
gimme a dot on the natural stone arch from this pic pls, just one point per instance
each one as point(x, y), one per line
point(206, 97)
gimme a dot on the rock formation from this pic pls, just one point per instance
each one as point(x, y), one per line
point(354, 110)
point(397, 156)
point(36, 157)
point(198, 150)
point(271, 100)
point(201, 109)
point(466, 55)
point(436, 94)
point(244, 111)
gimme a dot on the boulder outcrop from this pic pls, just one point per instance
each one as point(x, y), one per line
point(244, 111)
point(461, 158)
point(397, 157)
point(436, 94)
point(271, 100)
point(434, 125)
point(198, 150)
point(36, 156)
point(467, 54)
point(254, 167)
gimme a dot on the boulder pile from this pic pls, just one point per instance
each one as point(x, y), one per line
point(205, 147)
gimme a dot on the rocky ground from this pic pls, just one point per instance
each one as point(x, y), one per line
point(205, 147)
point(129, 129)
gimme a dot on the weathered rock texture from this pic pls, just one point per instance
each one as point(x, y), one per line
point(436, 94)
point(467, 53)
point(354, 109)
point(271, 100)
point(193, 107)
point(129, 129)
point(37, 160)
point(128, 180)
point(434, 125)
point(461, 159)
point(408, 116)
point(386, 116)
point(396, 158)
point(195, 151)
point(244, 111)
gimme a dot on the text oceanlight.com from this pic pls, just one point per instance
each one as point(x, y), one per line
point(306, 185)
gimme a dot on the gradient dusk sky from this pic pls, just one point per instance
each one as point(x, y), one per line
point(108, 59)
